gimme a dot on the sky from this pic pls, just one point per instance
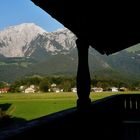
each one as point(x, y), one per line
point(14, 12)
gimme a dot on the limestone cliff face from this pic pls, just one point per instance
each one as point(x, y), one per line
point(24, 39)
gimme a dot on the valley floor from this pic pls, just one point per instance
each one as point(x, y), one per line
point(25, 107)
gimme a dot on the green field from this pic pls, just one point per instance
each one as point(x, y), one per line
point(31, 106)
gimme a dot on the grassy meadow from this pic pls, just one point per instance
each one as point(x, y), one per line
point(31, 106)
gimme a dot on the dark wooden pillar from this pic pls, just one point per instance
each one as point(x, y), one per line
point(83, 76)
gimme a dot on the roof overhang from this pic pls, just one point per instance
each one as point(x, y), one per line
point(106, 26)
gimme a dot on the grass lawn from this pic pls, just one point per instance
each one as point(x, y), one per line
point(31, 106)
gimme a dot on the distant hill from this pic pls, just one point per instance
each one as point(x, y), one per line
point(135, 48)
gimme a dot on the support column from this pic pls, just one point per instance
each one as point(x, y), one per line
point(83, 76)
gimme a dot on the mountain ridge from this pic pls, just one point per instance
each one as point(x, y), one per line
point(55, 53)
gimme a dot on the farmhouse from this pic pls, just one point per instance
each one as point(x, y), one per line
point(123, 89)
point(57, 90)
point(74, 89)
point(54, 88)
point(29, 90)
point(53, 85)
point(97, 89)
point(137, 88)
point(4, 90)
point(114, 89)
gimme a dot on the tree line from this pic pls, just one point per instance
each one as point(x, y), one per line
point(44, 83)
point(66, 83)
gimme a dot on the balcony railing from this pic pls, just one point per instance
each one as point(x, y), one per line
point(113, 118)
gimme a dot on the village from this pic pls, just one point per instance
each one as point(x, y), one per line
point(38, 84)
point(54, 88)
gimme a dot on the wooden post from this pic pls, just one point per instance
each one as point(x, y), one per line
point(83, 76)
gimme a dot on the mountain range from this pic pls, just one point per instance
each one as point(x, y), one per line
point(27, 49)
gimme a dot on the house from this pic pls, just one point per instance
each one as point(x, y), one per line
point(114, 89)
point(74, 89)
point(4, 90)
point(97, 89)
point(54, 88)
point(123, 89)
point(137, 88)
point(53, 85)
point(57, 90)
point(29, 90)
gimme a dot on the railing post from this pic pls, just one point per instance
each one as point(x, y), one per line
point(83, 76)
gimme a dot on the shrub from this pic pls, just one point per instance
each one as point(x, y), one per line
point(5, 119)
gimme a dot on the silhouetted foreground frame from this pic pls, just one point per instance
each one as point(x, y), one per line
point(106, 26)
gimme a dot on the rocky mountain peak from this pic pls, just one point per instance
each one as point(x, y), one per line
point(22, 40)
